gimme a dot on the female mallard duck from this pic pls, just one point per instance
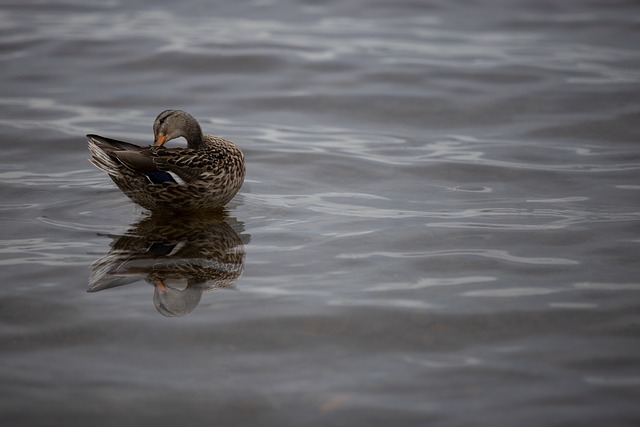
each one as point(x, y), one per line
point(205, 175)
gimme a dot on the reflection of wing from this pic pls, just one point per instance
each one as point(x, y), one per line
point(114, 282)
point(204, 253)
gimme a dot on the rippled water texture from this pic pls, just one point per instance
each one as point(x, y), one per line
point(439, 226)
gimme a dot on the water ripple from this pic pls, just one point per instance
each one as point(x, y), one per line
point(43, 252)
point(613, 381)
point(84, 178)
point(433, 282)
point(68, 119)
point(608, 286)
point(386, 303)
point(511, 292)
point(327, 39)
point(485, 253)
point(344, 204)
point(444, 362)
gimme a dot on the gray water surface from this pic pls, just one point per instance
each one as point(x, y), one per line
point(440, 223)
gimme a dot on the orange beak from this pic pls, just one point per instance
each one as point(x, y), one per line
point(160, 140)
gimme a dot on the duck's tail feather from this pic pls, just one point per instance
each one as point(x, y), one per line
point(109, 144)
point(99, 149)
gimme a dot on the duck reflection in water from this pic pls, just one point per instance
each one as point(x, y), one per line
point(180, 257)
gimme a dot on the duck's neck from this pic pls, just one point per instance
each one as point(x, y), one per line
point(193, 134)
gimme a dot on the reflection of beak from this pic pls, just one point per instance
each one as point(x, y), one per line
point(159, 284)
point(160, 139)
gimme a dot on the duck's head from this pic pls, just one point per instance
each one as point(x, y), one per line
point(172, 124)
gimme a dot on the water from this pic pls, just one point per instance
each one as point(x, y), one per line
point(439, 224)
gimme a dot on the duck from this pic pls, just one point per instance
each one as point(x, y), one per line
point(205, 175)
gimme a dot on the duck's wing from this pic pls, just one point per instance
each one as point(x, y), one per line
point(187, 163)
point(164, 164)
point(140, 160)
point(116, 156)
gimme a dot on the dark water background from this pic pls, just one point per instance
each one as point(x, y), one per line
point(440, 224)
